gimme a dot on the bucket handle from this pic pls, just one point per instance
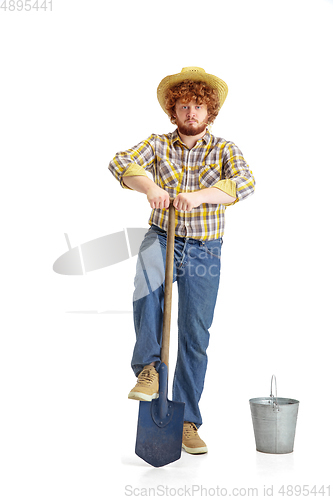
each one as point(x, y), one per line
point(275, 403)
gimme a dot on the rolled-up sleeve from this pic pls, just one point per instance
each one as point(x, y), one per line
point(134, 161)
point(238, 180)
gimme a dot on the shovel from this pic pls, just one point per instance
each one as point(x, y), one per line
point(160, 423)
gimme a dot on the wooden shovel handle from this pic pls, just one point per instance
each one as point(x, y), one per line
point(168, 285)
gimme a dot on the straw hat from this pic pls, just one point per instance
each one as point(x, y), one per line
point(195, 74)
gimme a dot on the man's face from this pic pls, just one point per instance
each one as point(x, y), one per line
point(191, 118)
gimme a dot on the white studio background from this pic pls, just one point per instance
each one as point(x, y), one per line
point(79, 84)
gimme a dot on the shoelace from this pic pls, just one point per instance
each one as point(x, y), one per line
point(146, 376)
point(190, 429)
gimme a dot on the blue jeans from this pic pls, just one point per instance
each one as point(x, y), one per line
point(197, 272)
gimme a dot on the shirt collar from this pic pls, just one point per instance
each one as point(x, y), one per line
point(175, 137)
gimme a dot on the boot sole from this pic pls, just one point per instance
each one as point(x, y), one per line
point(141, 396)
point(195, 451)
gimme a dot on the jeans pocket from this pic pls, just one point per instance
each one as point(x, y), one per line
point(213, 248)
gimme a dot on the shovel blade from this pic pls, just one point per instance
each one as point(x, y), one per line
point(157, 444)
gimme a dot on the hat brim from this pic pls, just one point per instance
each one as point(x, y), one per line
point(194, 74)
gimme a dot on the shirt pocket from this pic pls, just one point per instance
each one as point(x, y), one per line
point(209, 175)
point(169, 174)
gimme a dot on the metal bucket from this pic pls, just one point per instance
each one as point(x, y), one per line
point(274, 422)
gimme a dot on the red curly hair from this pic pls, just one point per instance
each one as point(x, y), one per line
point(189, 90)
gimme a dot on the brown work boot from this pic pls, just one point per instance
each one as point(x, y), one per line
point(146, 387)
point(192, 443)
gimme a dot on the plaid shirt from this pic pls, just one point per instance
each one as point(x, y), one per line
point(212, 162)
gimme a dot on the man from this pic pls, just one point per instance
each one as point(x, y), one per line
point(202, 174)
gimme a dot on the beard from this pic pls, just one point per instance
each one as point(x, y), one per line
point(191, 129)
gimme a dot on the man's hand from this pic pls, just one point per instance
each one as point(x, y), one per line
point(158, 197)
point(187, 201)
